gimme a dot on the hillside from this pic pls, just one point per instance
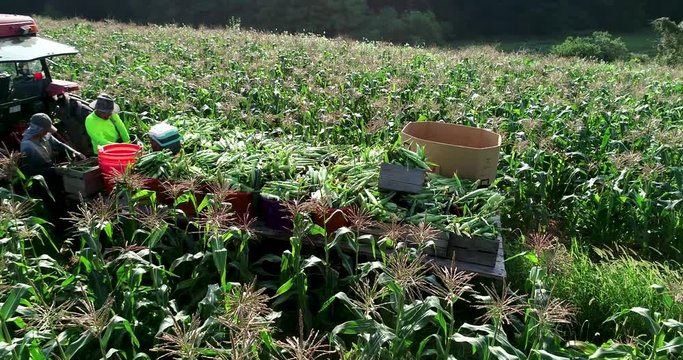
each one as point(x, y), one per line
point(589, 188)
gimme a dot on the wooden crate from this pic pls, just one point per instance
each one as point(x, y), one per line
point(400, 178)
point(84, 181)
point(485, 259)
point(474, 250)
point(483, 256)
point(441, 241)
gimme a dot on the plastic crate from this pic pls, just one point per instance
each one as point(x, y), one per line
point(164, 136)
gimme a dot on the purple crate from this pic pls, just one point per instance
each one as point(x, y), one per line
point(274, 214)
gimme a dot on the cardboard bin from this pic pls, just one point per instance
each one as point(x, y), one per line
point(471, 153)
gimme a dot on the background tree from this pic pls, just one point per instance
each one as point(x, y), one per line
point(429, 21)
point(670, 47)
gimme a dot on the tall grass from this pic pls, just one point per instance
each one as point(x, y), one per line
point(603, 281)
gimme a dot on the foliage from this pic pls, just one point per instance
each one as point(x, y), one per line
point(670, 47)
point(359, 18)
point(600, 45)
point(412, 27)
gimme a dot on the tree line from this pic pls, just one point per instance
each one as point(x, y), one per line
point(401, 21)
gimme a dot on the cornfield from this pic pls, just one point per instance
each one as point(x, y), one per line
point(591, 155)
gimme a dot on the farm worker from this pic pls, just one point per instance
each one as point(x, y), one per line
point(39, 150)
point(24, 69)
point(104, 126)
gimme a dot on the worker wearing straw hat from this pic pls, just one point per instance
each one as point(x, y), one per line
point(104, 126)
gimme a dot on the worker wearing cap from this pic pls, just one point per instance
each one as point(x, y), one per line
point(104, 126)
point(39, 148)
point(24, 69)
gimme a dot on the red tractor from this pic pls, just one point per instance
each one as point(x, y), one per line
point(27, 86)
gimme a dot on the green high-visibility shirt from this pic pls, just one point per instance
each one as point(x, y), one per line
point(105, 131)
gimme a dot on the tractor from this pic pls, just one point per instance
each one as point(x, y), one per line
point(27, 86)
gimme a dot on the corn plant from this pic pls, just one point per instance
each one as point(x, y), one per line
point(294, 266)
point(663, 341)
point(395, 291)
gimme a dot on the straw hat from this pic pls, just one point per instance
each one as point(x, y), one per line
point(105, 104)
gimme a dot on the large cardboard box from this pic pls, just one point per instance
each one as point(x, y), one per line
point(471, 153)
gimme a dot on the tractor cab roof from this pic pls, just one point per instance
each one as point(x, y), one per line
point(31, 48)
point(19, 41)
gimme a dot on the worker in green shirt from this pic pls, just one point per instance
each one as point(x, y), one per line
point(104, 126)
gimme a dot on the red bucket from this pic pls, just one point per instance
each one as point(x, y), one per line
point(115, 158)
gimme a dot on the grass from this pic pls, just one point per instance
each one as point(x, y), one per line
point(598, 283)
point(604, 281)
point(641, 42)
